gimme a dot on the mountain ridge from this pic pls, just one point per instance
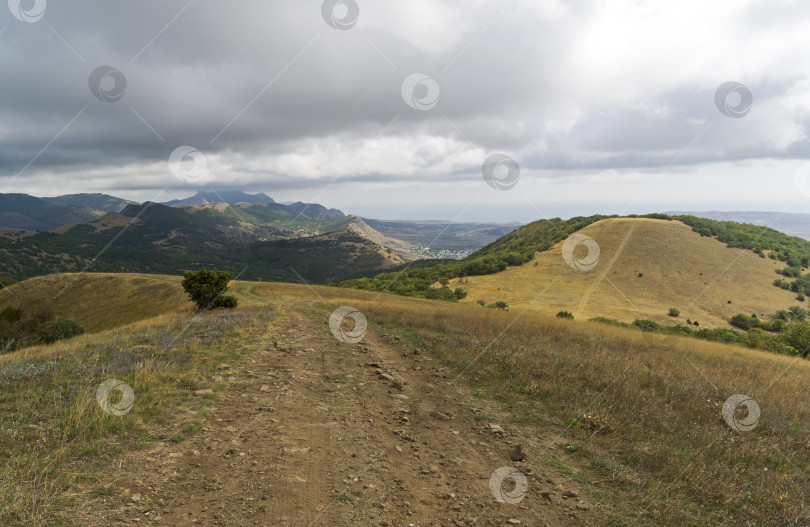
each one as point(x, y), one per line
point(794, 224)
point(204, 197)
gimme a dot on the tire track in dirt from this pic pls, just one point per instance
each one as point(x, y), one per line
point(316, 432)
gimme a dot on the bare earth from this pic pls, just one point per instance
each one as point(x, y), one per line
point(312, 431)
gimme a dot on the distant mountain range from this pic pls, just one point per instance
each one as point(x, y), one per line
point(96, 202)
point(223, 196)
point(21, 211)
point(251, 234)
point(789, 223)
point(262, 241)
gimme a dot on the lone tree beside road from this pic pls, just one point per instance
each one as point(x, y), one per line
point(206, 288)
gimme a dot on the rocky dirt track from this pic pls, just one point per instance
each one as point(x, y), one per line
point(313, 431)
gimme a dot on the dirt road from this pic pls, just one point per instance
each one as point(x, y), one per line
point(314, 431)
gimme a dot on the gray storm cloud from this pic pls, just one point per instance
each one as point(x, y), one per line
point(274, 94)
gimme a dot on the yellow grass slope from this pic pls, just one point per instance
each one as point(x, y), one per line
point(98, 301)
point(645, 268)
point(104, 301)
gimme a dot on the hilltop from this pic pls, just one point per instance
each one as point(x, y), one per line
point(702, 270)
point(222, 196)
point(645, 267)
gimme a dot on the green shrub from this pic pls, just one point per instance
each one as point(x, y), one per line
point(12, 315)
point(227, 302)
point(674, 312)
point(482, 303)
point(797, 313)
point(206, 288)
point(797, 336)
point(744, 322)
point(500, 304)
point(59, 329)
point(460, 293)
point(18, 331)
point(565, 314)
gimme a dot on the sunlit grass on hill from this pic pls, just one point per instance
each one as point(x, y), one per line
point(669, 457)
point(662, 265)
point(98, 301)
point(665, 456)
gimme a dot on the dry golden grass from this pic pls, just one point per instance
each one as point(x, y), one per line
point(57, 445)
point(98, 301)
point(670, 458)
point(680, 268)
point(667, 457)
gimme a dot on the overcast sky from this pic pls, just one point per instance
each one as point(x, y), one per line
point(389, 109)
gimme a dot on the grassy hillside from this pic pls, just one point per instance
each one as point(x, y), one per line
point(535, 237)
point(645, 267)
point(634, 419)
point(288, 221)
point(98, 301)
point(637, 419)
point(666, 265)
point(515, 248)
point(323, 258)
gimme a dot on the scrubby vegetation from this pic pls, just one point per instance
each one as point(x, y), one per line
point(19, 330)
point(777, 335)
point(764, 241)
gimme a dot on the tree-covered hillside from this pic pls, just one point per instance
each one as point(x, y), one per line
point(153, 238)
